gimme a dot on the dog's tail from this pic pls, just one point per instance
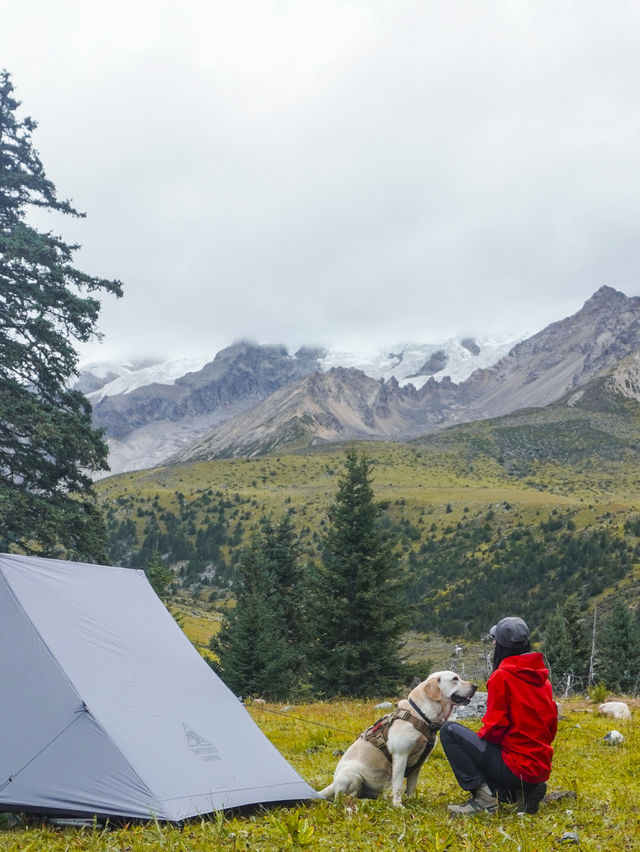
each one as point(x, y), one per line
point(328, 792)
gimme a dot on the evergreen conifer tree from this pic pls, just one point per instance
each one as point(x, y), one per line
point(48, 447)
point(160, 576)
point(576, 629)
point(359, 593)
point(259, 647)
point(619, 650)
point(282, 551)
point(565, 643)
point(558, 650)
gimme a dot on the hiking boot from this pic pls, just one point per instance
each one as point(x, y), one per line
point(508, 797)
point(533, 795)
point(480, 802)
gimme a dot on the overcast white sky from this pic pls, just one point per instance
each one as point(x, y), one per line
point(344, 172)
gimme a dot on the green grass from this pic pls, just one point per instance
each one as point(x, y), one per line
point(605, 814)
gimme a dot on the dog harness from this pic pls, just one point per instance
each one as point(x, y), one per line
point(378, 733)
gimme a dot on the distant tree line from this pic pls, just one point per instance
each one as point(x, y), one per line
point(193, 537)
point(582, 650)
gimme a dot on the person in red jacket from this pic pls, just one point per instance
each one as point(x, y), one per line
point(509, 759)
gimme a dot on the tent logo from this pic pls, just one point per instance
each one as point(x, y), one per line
point(199, 746)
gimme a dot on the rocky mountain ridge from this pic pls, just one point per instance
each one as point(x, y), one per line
point(348, 405)
point(342, 404)
point(151, 410)
point(251, 398)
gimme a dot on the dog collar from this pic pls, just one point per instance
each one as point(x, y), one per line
point(434, 725)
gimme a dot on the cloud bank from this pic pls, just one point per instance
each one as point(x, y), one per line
point(346, 173)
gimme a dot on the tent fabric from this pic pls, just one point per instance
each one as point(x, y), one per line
point(106, 708)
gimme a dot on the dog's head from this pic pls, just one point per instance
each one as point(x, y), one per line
point(440, 693)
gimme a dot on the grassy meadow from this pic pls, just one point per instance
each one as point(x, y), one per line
point(603, 813)
point(457, 473)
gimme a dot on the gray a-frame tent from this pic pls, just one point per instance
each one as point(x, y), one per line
point(107, 709)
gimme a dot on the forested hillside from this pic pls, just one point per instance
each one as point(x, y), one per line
point(510, 515)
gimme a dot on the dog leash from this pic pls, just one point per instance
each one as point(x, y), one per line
point(300, 719)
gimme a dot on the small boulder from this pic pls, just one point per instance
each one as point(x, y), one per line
point(475, 709)
point(615, 709)
point(384, 705)
point(613, 738)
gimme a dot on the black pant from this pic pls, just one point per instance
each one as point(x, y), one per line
point(475, 761)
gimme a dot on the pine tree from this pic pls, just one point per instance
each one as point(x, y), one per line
point(359, 602)
point(575, 625)
point(160, 576)
point(619, 650)
point(558, 650)
point(565, 643)
point(282, 552)
point(48, 447)
point(258, 650)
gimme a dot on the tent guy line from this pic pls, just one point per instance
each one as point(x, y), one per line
point(300, 719)
point(14, 775)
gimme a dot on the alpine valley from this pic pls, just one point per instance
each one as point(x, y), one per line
point(510, 470)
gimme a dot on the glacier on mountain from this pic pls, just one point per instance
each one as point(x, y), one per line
point(124, 378)
point(409, 363)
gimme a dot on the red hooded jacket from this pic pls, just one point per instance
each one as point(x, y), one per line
point(522, 717)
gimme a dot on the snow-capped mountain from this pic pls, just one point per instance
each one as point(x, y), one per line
point(409, 363)
point(150, 410)
point(599, 342)
point(415, 363)
point(109, 378)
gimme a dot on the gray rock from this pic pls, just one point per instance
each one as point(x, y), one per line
point(470, 345)
point(475, 709)
point(613, 737)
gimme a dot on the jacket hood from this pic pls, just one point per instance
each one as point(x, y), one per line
point(528, 667)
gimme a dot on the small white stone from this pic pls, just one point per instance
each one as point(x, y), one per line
point(613, 737)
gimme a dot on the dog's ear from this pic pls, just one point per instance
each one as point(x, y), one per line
point(432, 689)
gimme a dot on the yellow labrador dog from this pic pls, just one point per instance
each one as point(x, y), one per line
point(397, 745)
